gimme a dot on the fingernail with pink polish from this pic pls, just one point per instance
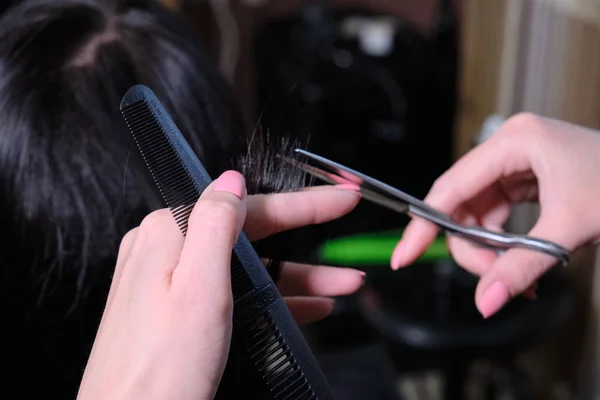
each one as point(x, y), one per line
point(232, 182)
point(363, 275)
point(495, 297)
point(397, 255)
point(348, 186)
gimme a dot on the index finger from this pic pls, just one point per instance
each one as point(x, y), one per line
point(273, 213)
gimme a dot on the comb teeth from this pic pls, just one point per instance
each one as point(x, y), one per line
point(264, 331)
point(172, 179)
point(240, 282)
point(275, 362)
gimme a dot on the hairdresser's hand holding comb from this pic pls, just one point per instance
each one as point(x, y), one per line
point(530, 159)
point(166, 329)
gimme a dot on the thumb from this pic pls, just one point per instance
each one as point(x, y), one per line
point(518, 269)
point(214, 226)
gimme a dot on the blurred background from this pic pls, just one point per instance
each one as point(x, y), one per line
point(399, 89)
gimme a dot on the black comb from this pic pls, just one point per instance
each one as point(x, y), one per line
point(267, 345)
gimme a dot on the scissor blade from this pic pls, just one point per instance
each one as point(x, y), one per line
point(367, 182)
point(314, 171)
point(367, 194)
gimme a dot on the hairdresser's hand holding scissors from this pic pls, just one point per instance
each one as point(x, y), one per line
point(166, 329)
point(530, 159)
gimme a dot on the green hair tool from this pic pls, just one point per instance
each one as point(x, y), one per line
point(373, 249)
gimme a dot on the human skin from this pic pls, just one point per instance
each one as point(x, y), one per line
point(529, 159)
point(166, 329)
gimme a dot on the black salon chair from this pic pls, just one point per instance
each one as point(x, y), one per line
point(427, 317)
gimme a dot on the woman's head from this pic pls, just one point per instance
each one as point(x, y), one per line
point(66, 195)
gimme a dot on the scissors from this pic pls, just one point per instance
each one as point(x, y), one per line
point(395, 199)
